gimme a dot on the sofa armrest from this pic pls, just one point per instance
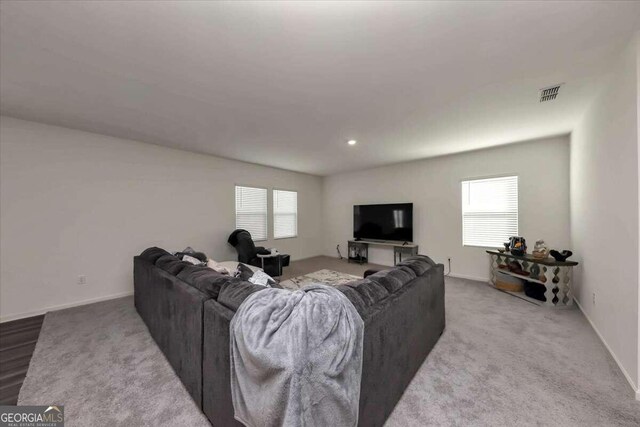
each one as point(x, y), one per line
point(399, 333)
point(173, 312)
point(217, 403)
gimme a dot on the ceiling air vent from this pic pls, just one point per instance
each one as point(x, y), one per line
point(549, 93)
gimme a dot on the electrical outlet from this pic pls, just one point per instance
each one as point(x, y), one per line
point(594, 297)
point(82, 279)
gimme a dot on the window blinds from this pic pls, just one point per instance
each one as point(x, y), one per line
point(251, 211)
point(285, 214)
point(489, 211)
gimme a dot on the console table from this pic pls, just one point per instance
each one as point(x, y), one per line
point(554, 275)
point(358, 250)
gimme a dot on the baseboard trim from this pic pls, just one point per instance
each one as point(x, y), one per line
point(606, 345)
point(464, 276)
point(18, 316)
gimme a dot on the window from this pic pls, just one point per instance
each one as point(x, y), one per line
point(285, 214)
point(251, 211)
point(489, 211)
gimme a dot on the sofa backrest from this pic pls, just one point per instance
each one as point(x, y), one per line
point(366, 293)
point(228, 291)
point(152, 254)
point(231, 291)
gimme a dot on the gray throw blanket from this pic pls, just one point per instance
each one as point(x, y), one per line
point(296, 358)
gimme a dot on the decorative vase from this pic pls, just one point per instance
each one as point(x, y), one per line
point(540, 250)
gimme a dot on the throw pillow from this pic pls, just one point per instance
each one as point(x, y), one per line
point(189, 251)
point(256, 277)
point(192, 260)
point(262, 278)
point(243, 272)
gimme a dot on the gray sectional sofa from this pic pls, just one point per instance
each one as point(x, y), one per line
point(188, 310)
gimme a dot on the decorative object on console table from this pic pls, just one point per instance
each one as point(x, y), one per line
point(518, 245)
point(554, 276)
point(515, 267)
point(509, 283)
point(535, 290)
point(540, 250)
point(561, 256)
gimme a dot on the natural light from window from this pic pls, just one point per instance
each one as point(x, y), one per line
point(251, 211)
point(285, 214)
point(489, 211)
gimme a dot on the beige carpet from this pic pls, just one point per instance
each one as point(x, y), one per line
point(500, 362)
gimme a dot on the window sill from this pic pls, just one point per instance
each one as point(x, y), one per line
point(287, 237)
point(482, 247)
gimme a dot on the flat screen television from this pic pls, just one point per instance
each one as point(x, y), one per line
point(393, 222)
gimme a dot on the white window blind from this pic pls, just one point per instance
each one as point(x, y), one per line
point(285, 214)
point(489, 211)
point(251, 211)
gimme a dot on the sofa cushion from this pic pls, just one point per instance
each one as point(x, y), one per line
point(205, 279)
point(235, 291)
point(171, 264)
point(190, 273)
point(419, 264)
point(393, 279)
point(209, 282)
point(200, 256)
point(370, 292)
point(152, 254)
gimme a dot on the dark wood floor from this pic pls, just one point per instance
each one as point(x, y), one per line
point(17, 342)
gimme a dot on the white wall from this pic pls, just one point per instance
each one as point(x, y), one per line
point(433, 185)
point(75, 203)
point(604, 212)
point(637, 40)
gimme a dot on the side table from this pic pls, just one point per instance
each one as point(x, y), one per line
point(276, 255)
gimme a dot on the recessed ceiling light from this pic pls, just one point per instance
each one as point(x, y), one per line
point(352, 142)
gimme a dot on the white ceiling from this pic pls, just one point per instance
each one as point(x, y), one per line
point(287, 84)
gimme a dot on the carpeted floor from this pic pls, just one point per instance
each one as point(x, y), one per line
point(501, 361)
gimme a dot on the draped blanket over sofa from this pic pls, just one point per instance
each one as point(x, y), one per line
point(296, 358)
point(188, 310)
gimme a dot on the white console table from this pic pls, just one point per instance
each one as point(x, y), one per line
point(358, 250)
point(554, 275)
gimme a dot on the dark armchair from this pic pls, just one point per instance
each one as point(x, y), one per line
point(248, 253)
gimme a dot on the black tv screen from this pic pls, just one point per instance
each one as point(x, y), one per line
point(384, 222)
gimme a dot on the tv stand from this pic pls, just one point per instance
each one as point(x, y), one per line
point(358, 250)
